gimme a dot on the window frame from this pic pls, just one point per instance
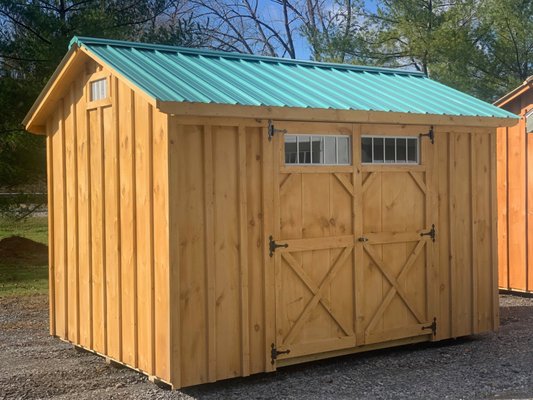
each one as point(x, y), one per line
point(390, 163)
point(97, 76)
point(322, 136)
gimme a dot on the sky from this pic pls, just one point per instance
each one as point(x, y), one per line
point(300, 44)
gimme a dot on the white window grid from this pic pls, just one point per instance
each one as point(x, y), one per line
point(98, 89)
point(395, 162)
point(308, 155)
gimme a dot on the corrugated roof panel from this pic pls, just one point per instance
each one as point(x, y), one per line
point(178, 74)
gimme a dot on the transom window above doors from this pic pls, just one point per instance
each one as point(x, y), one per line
point(317, 149)
point(390, 150)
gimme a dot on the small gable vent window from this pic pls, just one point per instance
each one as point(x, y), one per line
point(321, 150)
point(529, 121)
point(390, 150)
point(98, 90)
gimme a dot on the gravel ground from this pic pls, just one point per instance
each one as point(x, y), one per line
point(488, 366)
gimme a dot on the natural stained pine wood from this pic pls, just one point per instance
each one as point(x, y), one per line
point(170, 226)
point(210, 252)
point(51, 233)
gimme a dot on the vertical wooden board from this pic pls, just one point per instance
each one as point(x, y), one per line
point(517, 206)
point(443, 261)
point(290, 196)
point(269, 227)
point(161, 245)
point(69, 112)
point(254, 160)
point(227, 276)
point(51, 240)
point(482, 226)
point(462, 235)
point(372, 277)
point(84, 220)
point(529, 202)
point(97, 259)
point(143, 186)
point(315, 205)
point(243, 251)
point(495, 314)
point(111, 234)
point(501, 167)
point(174, 132)
point(209, 215)
point(60, 238)
point(192, 274)
point(128, 225)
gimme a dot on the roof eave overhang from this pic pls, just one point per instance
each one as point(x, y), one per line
point(513, 94)
point(327, 115)
point(34, 121)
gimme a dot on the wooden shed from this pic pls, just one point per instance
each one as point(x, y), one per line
point(215, 215)
point(515, 192)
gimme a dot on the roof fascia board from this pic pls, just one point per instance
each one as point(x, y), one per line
point(520, 90)
point(327, 115)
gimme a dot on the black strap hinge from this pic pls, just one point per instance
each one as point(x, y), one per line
point(433, 327)
point(430, 135)
point(274, 353)
point(432, 233)
point(272, 245)
point(272, 130)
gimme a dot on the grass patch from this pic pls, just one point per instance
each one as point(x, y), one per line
point(23, 277)
point(23, 280)
point(34, 228)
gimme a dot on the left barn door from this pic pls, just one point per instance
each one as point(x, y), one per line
point(314, 210)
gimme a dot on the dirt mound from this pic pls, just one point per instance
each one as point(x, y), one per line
point(19, 250)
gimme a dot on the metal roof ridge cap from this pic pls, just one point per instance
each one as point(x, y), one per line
point(84, 40)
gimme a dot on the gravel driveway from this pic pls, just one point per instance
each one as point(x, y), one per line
point(487, 366)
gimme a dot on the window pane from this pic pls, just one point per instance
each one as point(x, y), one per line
point(98, 90)
point(290, 149)
point(317, 150)
point(412, 150)
point(330, 150)
point(401, 150)
point(390, 150)
point(343, 150)
point(304, 149)
point(366, 150)
point(378, 150)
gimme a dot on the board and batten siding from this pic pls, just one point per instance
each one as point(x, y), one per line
point(108, 222)
point(221, 214)
point(159, 231)
point(515, 204)
point(217, 237)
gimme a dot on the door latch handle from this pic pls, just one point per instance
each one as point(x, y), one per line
point(363, 239)
point(272, 245)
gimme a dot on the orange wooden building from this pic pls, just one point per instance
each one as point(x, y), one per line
point(215, 215)
point(515, 192)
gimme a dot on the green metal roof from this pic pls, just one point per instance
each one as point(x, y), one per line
point(169, 73)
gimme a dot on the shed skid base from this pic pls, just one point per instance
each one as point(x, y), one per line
point(118, 364)
point(517, 292)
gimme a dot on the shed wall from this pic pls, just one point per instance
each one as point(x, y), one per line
point(221, 213)
point(108, 219)
point(515, 204)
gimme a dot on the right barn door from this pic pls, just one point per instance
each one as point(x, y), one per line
point(397, 239)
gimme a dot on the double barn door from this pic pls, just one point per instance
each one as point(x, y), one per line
point(354, 262)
